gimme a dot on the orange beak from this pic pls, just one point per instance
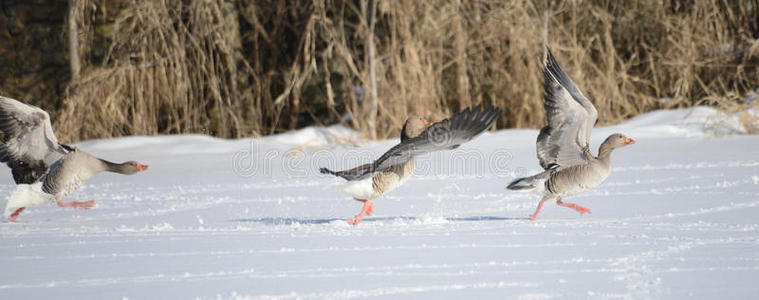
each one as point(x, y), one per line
point(142, 167)
point(426, 122)
point(629, 141)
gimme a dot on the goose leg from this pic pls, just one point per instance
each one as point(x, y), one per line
point(540, 205)
point(576, 207)
point(78, 204)
point(15, 214)
point(368, 209)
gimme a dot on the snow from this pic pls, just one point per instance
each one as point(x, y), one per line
point(253, 219)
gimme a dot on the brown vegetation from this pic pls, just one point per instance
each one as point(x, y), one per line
point(249, 68)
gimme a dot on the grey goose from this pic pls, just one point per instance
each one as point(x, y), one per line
point(368, 182)
point(45, 170)
point(562, 147)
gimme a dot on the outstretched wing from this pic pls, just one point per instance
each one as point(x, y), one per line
point(571, 116)
point(447, 134)
point(29, 145)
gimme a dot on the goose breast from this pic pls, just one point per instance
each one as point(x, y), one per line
point(69, 173)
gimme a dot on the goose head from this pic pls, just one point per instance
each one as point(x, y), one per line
point(129, 168)
point(617, 140)
point(413, 127)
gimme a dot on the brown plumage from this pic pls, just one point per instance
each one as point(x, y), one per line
point(44, 170)
point(562, 145)
point(368, 182)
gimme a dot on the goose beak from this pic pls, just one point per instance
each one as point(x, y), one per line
point(142, 167)
point(629, 141)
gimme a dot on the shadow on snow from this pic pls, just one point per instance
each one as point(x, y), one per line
point(293, 221)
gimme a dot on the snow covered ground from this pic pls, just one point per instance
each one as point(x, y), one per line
point(678, 217)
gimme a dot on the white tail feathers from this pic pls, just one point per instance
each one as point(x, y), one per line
point(360, 189)
point(27, 195)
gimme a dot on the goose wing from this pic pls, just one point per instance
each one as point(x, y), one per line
point(571, 116)
point(29, 145)
point(450, 133)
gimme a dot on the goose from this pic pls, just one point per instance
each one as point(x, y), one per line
point(368, 182)
point(45, 170)
point(562, 147)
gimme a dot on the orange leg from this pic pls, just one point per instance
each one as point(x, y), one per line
point(535, 215)
point(576, 207)
point(78, 204)
point(15, 214)
point(368, 209)
point(540, 205)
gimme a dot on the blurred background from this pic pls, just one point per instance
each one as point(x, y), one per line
point(106, 68)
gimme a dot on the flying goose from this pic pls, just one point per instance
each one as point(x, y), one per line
point(44, 170)
point(562, 145)
point(368, 182)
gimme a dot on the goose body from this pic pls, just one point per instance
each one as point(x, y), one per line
point(374, 186)
point(368, 182)
point(562, 145)
point(576, 179)
point(69, 173)
point(44, 170)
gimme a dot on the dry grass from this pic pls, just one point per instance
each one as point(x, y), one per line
point(251, 68)
point(171, 68)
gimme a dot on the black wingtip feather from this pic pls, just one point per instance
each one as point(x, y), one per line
point(326, 171)
point(474, 120)
point(553, 72)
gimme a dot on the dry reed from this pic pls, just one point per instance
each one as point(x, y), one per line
point(242, 68)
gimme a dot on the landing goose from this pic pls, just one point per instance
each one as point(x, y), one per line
point(44, 170)
point(367, 182)
point(562, 145)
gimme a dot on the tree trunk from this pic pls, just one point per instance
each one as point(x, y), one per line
point(462, 77)
point(373, 106)
point(74, 61)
